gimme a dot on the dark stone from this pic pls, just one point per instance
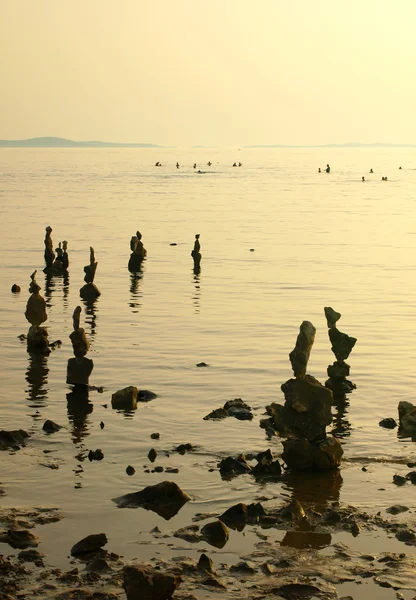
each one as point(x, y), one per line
point(91, 543)
point(236, 403)
point(396, 509)
point(79, 370)
point(102, 425)
point(98, 565)
point(301, 454)
point(342, 344)
point(31, 556)
point(144, 583)
point(231, 466)
point(182, 448)
point(411, 477)
point(50, 426)
point(399, 480)
point(218, 413)
point(165, 498)
point(388, 423)
point(407, 418)
point(145, 396)
point(155, 436)
point(152, 454)
point(293, 511)
point(205, 563)
point(19, 538)
point(272, 469)
point(130, 470)
point(9, 439)
point(332, 316)
point(15, 288)
point(236, 516)
point(307, 410)
point(125, 398)
point(243, 567)
point(240, 413)
point(406, 536)
point(159, 469)
point(202, 364)
point(215, 533)
point(300, 354)
point(89, 292)
point(95, 455)
point(212, 582)
point(297, 591)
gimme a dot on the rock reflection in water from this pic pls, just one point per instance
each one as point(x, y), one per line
point(37, 378)
point(79, 407)
point(65, 288)
point(341, 425)
point(49, 288)
point(91, 316)
point(314, 489)
point(196, 280)
point(136, 293)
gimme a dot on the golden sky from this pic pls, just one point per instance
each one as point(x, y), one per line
point(209, 72)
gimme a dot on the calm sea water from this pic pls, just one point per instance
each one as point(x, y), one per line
point(319, 240)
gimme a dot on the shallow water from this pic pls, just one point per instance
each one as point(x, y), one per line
point(319, 240)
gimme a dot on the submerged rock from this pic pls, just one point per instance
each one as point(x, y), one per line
point(388, 423)
point(11, 439)
point(19, 538)
point(302, 454)
point(144, 583)
point(165, 498)
point(125, 398)
point(215, 533)
point(407, 418)
point(50, 426)
point(232, 408)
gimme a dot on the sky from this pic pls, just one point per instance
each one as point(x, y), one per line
point(209, 72)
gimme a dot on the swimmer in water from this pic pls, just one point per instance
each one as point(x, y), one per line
point(240, 164)
point(194, 165)
point(319, 170)
point(209, 163)
point(328, 169)
point(177, 165)
point(362, 178)
point(234, 164)
point(371, 171)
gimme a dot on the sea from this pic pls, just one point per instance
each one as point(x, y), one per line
point(279, 242)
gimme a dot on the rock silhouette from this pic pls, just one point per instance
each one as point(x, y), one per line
point(37, 337)
point(90, 291)
point(138, 253)
point(342, 344)
point(49, 253)
point(79, 368)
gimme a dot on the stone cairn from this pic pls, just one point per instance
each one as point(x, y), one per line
point(89, 291)
point(196, 254)
point(79, 368)
point(306, 413)
point(61, 263)
point(342, 344)
point(138, 253)
point(37, 337)
point(49, 253)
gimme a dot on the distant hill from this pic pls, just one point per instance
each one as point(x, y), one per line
point(349, 145)
point(57, 142)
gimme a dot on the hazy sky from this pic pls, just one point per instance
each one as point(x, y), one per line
point(209, 72)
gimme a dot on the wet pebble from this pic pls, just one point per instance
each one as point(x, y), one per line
point(102, 425)
point(159, 469)
point(399, 480)
point(95, 455)
point(155, 436)
point(130, 470)
point(152, 455)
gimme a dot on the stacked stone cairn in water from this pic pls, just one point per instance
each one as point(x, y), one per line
point(138, 253)
point(306, 413)
point(49, 254)
point(79, 368)
point(37, 337)
point(89, 291)
point(342, 344)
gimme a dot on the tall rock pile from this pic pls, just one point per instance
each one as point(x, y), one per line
point(342, 344)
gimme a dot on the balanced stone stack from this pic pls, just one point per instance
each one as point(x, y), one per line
point(37, 337)
point(342, 344)
point(61, 262)
point(79, 368)
point(138, 253)
point(196, 254)
point(89, 291)
point(306, 413)
point(49, 253)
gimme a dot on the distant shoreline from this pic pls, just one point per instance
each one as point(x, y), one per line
point(57, 142)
